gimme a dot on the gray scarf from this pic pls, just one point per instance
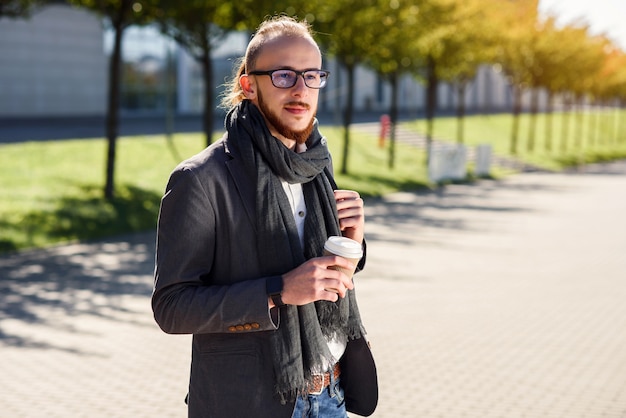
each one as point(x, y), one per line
point(299, 344)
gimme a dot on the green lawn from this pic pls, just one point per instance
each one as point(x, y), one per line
point(591, 136)
point(52, 191)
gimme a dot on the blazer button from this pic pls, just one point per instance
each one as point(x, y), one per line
point(247, 327)
point(239, 327)
point(232, 328)
point(255, 325)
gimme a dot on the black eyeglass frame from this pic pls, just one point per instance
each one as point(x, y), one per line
point(324, 75)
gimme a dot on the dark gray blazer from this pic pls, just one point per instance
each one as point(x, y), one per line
point(207, 283)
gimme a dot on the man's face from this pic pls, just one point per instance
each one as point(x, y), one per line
point(288, 112)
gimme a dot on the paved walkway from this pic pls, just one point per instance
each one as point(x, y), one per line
point(500, 299)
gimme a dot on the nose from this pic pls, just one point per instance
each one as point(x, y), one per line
point(300, 88)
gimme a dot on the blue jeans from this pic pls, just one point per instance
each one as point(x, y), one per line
point(328, 404)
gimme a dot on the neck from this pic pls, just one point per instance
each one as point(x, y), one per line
point(289, 143)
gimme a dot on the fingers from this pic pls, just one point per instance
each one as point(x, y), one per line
point(351, 214)
point(334, 261)
point(348, 200)
point(334, 278)
point(346, 194)
point(317, 280)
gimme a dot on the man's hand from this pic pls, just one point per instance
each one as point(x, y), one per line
point(313, 281)
point(351, 214)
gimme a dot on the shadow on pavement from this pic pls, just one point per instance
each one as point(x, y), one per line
point(617, 168)
point(444, 208)
point(40, 288)
point(88, 279)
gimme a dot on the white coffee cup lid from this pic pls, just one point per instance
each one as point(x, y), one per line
point(344, 247)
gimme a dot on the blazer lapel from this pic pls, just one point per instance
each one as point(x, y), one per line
point(245, 188)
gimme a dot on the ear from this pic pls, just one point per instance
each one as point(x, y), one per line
point(248, 86)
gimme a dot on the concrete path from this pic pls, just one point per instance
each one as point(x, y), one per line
point(500, 299)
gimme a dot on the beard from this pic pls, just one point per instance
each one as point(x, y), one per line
point(274, 120)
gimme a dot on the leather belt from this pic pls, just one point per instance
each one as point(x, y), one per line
point(321, 381)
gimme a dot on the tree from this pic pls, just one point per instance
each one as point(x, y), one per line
point(119, 14)
point(575, 70)
point(538, 70)
point(471, 44)
point(199, 26)
point(18, 8)
point(553, 54)
point(589, 62)
point(610, 84)
point(517, 54)
point(388, 50)
point(339, 25)
point(550, 53)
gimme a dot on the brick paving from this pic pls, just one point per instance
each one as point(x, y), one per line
point(499, 299)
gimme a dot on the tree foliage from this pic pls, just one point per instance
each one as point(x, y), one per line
point(391, 48)
point(200, 26)
point(339, 30)
point(18, 8)
point(436, 40)
point(471, 43)
point(432, 40)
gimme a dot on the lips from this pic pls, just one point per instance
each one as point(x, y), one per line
point(297, 107)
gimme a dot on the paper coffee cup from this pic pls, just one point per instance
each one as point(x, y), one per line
point(346, 248)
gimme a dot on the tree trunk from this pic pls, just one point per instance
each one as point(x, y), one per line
point(170, 88)
point(338, 96)
point(622, 122)
point(532, 123)
point(549, 109)
point(593, 124)
point(112, 117)
point(207, 72)
point(578, 109)
point(616, 127)
point(565, 129)
point(347, 118)
point(393, 116)
point(431, 104)
point(460, 111)
point(606, 122)
point(517, 109)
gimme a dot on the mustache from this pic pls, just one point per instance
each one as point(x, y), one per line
point(299, 104)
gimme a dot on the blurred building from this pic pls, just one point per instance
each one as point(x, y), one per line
point(52, 64)
point(56, 64)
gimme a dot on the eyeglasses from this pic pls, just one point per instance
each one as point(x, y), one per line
point(286, 79)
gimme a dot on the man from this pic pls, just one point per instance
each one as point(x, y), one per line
point(239, 249)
